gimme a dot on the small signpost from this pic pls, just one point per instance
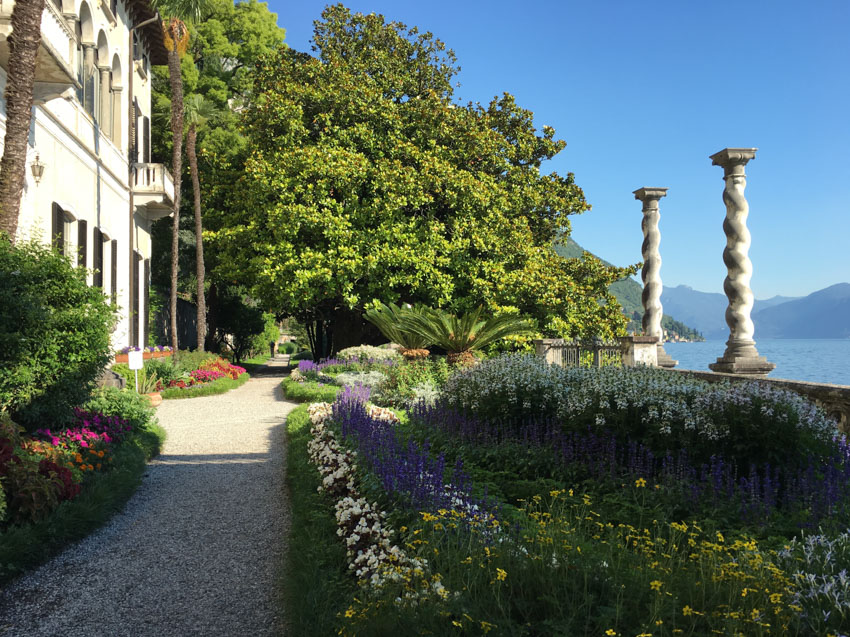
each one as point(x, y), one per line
point(135, 361)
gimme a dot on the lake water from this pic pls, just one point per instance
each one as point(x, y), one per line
point(816, 360)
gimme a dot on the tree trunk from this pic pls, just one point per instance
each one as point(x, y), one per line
point(20, 80)
point(191, 138)
point(175, 26)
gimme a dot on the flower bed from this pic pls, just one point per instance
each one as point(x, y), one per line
point(154, 351)
point(628, 504)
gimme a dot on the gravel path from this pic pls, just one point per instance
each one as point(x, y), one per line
point(198, 548)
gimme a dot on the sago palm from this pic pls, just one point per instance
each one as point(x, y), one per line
point(388, 319)
point(462, 335)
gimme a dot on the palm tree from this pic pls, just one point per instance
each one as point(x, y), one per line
point(388, 319)
point(460, 336)
point(198, 111)
point(176, 33)
point(20, 80)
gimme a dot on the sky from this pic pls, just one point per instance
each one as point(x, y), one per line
point(644, 92)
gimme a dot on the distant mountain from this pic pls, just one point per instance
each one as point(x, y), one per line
point(821, 314)
point(628, 293)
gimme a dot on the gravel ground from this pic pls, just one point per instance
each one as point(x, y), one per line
point(198, 548)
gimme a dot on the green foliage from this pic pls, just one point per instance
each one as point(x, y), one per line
point(54, 334)
point(368, 182)
point(403, 379)
point(124, 403)
point(308, 391)
point(188, 361)
point(303, 355)
point(317, 584)
point(288, 348)
point(240, 323)
point(390, 320)
point(270, 333)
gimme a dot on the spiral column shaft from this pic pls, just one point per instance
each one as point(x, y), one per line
point(651, 272)
point(741, 356)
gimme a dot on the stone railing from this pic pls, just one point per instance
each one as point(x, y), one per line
point(834, 399)
point(627, 350)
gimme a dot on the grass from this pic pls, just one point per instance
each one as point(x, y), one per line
point(309, 391)
point(220, 386)
point(24, 547)
point(316, 584)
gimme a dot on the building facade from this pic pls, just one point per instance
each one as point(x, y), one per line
point(91, 188)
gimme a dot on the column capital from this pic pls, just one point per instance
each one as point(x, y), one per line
point(733, 160)
point(651, 194)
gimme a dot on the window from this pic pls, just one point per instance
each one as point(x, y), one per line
point(60, 234)
point(114, 270)
point(82, 244)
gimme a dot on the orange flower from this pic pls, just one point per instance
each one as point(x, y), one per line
point(78, 457)
point(91, 468)
point(82, 467)
point(100, 454)
point(98, 466)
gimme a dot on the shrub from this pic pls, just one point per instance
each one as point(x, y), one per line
point(303, 355)
point(271, 332)
point(288, 348)
point(368, 379)
point(124, 404)
point(54, 334)
point(365, 353)
point(398, 390)
point(186, 361)
point(2, 503)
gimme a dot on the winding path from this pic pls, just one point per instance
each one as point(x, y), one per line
point(198, 548)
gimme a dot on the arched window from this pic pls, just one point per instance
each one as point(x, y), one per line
point(86, 60)
point(116, 90)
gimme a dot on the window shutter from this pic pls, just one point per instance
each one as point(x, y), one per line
point(82, 243)
point(97, 256)
point(147, 306)
point(57, 233)
point(146, 140)
point(134, 290)
point(114, 269)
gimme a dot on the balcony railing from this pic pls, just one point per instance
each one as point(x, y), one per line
point(54, 72)
point(153, 188)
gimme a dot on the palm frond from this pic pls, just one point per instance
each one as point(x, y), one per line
point(469, 332)
point(389, 319)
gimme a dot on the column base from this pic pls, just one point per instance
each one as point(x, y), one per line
point(664, 359)
point(757, 366)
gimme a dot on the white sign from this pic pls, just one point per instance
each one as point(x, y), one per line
point(135, 360)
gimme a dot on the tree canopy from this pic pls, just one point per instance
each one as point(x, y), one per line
point(368, 182)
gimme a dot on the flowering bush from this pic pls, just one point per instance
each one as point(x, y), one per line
point(368, 353)
point(206, 375)
point(372, 379)
point(222, 366)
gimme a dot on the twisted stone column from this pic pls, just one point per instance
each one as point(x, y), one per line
point(651, 272)
point(741, 356)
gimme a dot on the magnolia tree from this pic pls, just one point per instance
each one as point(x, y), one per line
point(368, 182)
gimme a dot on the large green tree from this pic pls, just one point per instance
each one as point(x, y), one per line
point(367, 181)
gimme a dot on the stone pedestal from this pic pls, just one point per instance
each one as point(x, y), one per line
point(741, 356)
point(651, 272)
point(639, 350)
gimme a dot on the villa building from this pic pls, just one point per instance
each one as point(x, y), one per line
point(90, 187)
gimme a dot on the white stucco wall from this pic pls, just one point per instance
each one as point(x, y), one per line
point(86, 173)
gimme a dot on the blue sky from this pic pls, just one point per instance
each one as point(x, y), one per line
point(644, 92)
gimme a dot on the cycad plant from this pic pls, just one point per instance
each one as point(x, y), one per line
point(460, 336)
point(389, 319)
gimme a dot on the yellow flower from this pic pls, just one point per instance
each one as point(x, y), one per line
point(655, 585)
point(349, 613)
point(687, 610)
point(487, 626)
point(658, 622)
point(501, 575)
point(775, 598)
point(640, 482)
point(427, 517)
point(457, 623)
point(610, 631)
